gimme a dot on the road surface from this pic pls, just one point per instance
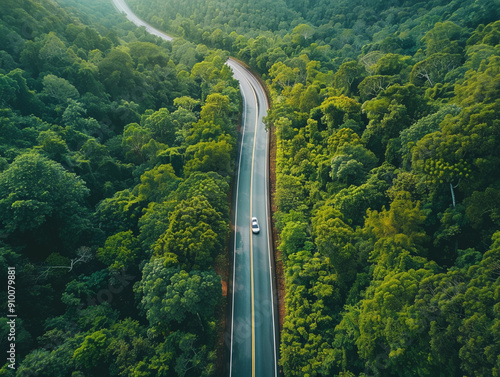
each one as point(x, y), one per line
point(123, 8)
point(253, 345)
point(253, 348)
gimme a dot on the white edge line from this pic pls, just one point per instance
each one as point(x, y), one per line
point(270, 250)
point(235, 228)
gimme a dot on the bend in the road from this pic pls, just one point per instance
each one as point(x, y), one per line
point(122, 7)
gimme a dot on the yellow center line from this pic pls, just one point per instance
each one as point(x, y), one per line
point(251, 238)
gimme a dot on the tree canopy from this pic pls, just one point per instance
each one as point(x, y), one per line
point(116, 157)
point(117, 154)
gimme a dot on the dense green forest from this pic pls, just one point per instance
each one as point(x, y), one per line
point(386, 116)
point(117, 152)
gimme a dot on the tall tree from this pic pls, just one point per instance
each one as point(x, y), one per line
point(42, 201)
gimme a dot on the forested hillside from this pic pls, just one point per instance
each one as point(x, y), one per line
point(329, 31)
point(388, 195)
point(117, 152)
point(386, 116)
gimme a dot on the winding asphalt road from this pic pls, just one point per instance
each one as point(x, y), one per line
point(253, 332)
point(123, 8)
point(253, 348)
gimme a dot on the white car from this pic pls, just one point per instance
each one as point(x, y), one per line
point(255, 225)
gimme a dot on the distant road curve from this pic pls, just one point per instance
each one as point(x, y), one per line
point(123, 8)
point(253, 334)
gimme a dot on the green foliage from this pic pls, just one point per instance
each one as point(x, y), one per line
point(195, 235)
point(338, 110)
point(117, 74)
point(351, 163)
point(154, 222)
point(40, 196)
point(175, 299)
point(161, 126)
point(289, 194)
point(424, 126)
point(211, 185)
point(293, 237)
point(444, 37)
point(334, 239)
point(348, 77)
point(119, 213)
point(90, 354)
point(157, 183)
point(135, 138)
point(58, 89)
point(434, 68)
point(396, 193)
point(386, 120)
point(120, 252)
point(311, 302)
point(385, 325)
point(93, 160)
point(209, 156)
